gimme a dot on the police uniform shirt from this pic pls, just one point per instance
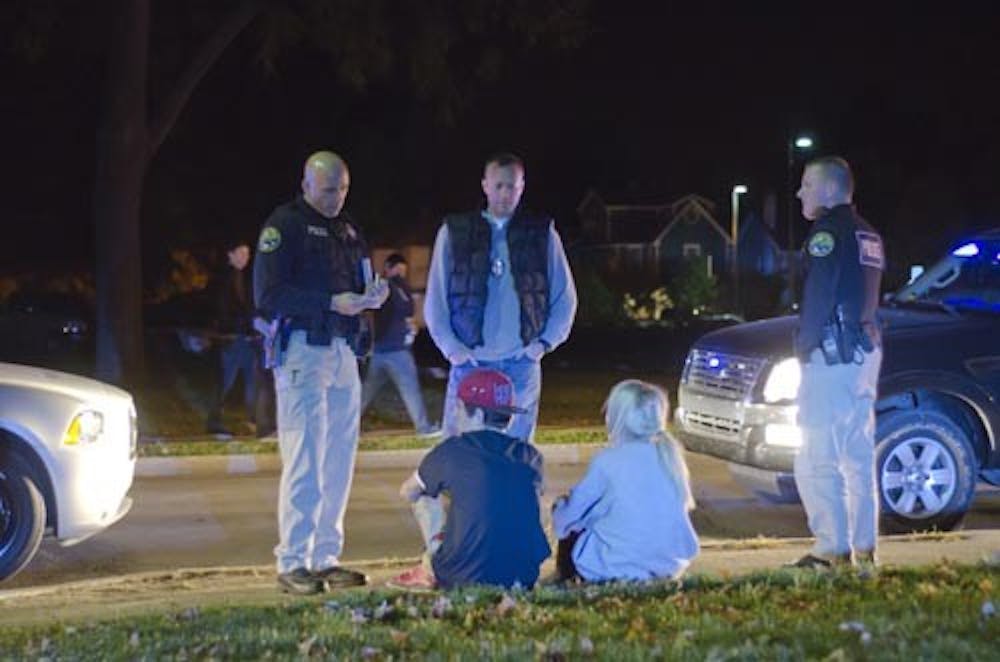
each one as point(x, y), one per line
point(303, 259)
point(845, 261)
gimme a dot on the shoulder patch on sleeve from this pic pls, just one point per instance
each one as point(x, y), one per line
point(270, 239)
point(821, 244)
point(870, 250)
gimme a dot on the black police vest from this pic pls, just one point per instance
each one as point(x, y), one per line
point(528, 244)
point(347, 251)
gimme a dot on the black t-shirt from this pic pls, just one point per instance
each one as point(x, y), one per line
point(493, 533)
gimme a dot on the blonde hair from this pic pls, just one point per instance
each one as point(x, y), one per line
point(636, 411)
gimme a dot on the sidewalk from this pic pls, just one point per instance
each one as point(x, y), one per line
point(181, 590)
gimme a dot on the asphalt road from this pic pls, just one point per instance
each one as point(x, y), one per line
point(215, 518)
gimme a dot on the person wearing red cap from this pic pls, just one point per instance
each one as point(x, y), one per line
point(493, 480)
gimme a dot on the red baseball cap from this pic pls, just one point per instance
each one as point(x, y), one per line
point(489, 389)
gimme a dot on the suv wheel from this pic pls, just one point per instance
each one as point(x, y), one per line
point(22, 515)
point(926, 471)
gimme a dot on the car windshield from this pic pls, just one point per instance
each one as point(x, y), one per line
point(966, 279)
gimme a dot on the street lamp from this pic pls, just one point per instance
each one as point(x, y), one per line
point(737, 191)
point(801, 143)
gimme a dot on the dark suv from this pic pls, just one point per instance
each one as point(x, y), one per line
point(938, 411)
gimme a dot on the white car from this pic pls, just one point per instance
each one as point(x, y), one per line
point(67, 458)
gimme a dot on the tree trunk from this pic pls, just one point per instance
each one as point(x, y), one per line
point(122, 157)
point(126, 141)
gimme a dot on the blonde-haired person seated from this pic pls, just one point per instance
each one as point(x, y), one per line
point(629, 516)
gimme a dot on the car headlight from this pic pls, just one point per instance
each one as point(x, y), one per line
point(74, 328)
point(783, 434)
point(85, 428)
point(783, 382)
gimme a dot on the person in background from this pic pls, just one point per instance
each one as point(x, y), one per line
point(500, 293)
point(392, 356)
point(237, 344)
point(491, 532)
point(629, 517)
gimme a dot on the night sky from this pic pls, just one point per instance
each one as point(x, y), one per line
point(660, 100)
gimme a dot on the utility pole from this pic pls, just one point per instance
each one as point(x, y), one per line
point(800, 142)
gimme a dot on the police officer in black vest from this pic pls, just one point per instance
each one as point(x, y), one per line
point(500, 293)
point(839, 346)
point(311, 277)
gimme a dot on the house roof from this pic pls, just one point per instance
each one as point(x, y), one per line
point(651, 223)
point(636, 223)
point(753, 228)
point(690, 208)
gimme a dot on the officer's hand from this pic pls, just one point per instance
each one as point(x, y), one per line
point(377, 293)
point(535, 351)
point(462, 357)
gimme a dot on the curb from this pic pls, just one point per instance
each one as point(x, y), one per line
point(245, 464)
point(264, 572)
point(717, 557)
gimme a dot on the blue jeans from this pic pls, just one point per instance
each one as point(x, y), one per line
point(400, 367)
point(319, 398)
point(527, 378)
point(236, 356)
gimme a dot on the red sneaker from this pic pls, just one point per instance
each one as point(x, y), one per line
point(415, 579)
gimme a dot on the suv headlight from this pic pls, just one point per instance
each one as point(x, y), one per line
point(783, 382)
point(85, 428)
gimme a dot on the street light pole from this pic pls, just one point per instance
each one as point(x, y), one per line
point(801, 142)
point(737, 191)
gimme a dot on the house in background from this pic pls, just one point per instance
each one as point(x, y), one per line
point(759, 252)
point(641, 245)
point(636, 245)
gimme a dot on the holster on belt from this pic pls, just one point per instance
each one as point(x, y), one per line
point(842, 339)
point(275, 341)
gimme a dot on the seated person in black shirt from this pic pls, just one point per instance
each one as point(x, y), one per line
point(491, 532)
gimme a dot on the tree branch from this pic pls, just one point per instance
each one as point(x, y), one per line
point(210, 52)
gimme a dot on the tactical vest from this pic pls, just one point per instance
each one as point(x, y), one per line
point(345, 276)
point(528, 244)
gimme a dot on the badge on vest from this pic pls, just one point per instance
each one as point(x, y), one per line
point(317, 231)
point(821, 244)
point(870, 250)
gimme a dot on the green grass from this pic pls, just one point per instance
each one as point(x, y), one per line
point(939, 612)
point(172, 419)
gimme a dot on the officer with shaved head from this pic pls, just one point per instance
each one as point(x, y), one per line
point(839, 346)
point(312, 276)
